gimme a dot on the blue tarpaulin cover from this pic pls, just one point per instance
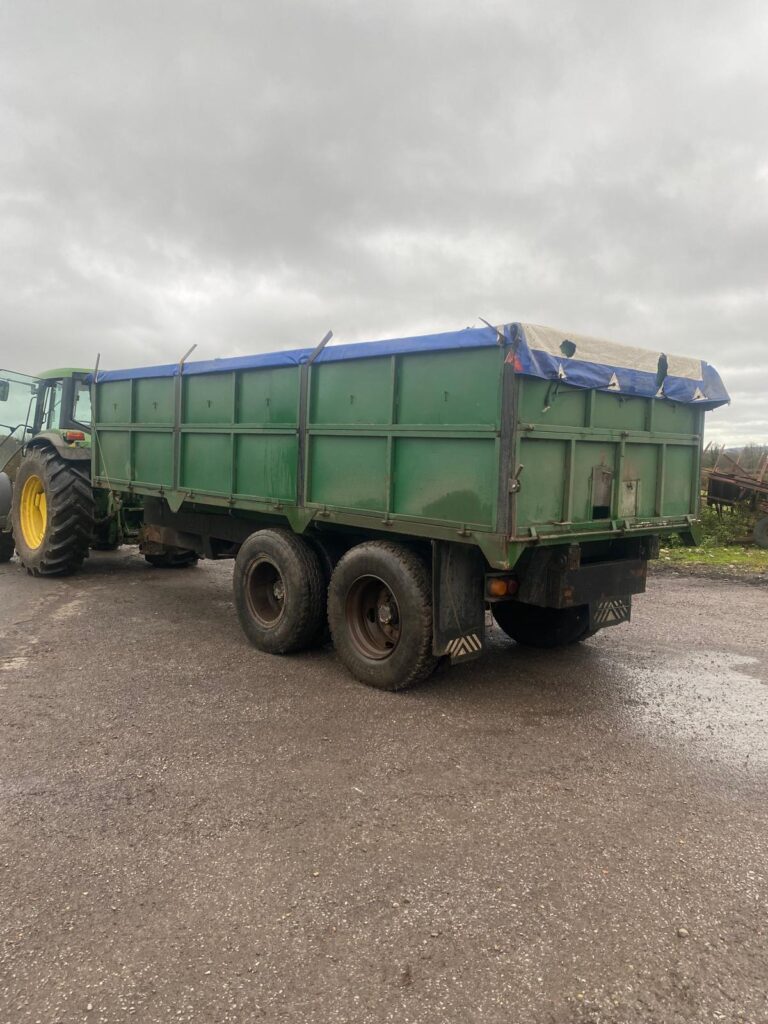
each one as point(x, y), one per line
point(574, 359)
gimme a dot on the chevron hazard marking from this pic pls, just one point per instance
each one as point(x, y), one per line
point(608, 612)
point(464, 645)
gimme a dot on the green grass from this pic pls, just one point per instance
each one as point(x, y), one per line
point(721, 549)
point(733, 557)
point(723, 545)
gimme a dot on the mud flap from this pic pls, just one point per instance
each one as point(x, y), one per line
point(612, 612)
point(458, 605)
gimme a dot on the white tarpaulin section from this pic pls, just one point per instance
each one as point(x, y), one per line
point(609, 353)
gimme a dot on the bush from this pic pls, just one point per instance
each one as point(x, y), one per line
point(730, 526)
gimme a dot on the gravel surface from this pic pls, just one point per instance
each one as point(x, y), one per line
point(191, 830)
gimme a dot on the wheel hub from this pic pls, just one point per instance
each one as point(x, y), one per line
point(265, 592)
point(33, 509)
point(385, 614)
point(373, 617)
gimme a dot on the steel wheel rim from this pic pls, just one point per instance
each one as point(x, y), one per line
point(33, 508)
point(265, 591)
point(373, 618)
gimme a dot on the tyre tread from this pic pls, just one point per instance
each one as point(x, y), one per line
point(70, 516)
point(423, 665)
point(306, 628)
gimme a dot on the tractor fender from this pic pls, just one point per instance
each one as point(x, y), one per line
point(6, 498)
point(50, 439)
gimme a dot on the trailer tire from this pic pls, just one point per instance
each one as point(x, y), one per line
point(7, 546)
point(52, 514)
point(760, 532)
point(279, 591)
point(329, 551)
point(380, 614)
point(532, 626)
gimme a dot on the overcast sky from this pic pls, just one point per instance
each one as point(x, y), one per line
point(246, 175)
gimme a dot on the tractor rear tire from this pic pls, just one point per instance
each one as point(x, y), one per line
point(380, 614)
point(532, 626)
point(279, 592)
point(7, 546)
point(52, 514)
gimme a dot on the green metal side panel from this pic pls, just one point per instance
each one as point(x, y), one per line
point(112, 455)
point(445, 388)
point(153, 457)
point(447, 479)
point(209, 398)
point(678, 479)
point(552, 403)
point(348, 472)
point(619, 413)
point(153, 400)
point(542, 482)
point(206, 463)
point(354, 392)
point(269, 396)
point(670, 418)
point(265, 466)
point(113, 402)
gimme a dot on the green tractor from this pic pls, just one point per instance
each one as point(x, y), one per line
point(49, 512)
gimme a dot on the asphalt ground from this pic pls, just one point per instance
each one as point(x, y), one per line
point(191, 830)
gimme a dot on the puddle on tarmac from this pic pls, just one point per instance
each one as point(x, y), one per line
point(715, 702)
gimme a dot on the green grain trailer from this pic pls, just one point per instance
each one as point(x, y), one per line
point(396, 490)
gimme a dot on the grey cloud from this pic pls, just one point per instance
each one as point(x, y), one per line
point(244, 175)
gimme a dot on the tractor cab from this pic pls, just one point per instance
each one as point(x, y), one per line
point(55, 405)
point(63, 404)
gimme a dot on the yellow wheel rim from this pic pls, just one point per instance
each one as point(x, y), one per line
point(34, 512)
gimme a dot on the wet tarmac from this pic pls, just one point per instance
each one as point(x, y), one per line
point(191, 830)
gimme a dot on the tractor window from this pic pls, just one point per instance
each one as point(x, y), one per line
point(16, 408)
point(82, 413)
point(52, 405)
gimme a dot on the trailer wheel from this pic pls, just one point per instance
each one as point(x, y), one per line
point(531, 626)
point(279, 591)
point(380, 614)
point(7, 546)
point(52, 514)
point(760, 532)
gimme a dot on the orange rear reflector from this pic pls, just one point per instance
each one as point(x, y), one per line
point(497, 587)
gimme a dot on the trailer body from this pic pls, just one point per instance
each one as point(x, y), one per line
point(557, 457)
